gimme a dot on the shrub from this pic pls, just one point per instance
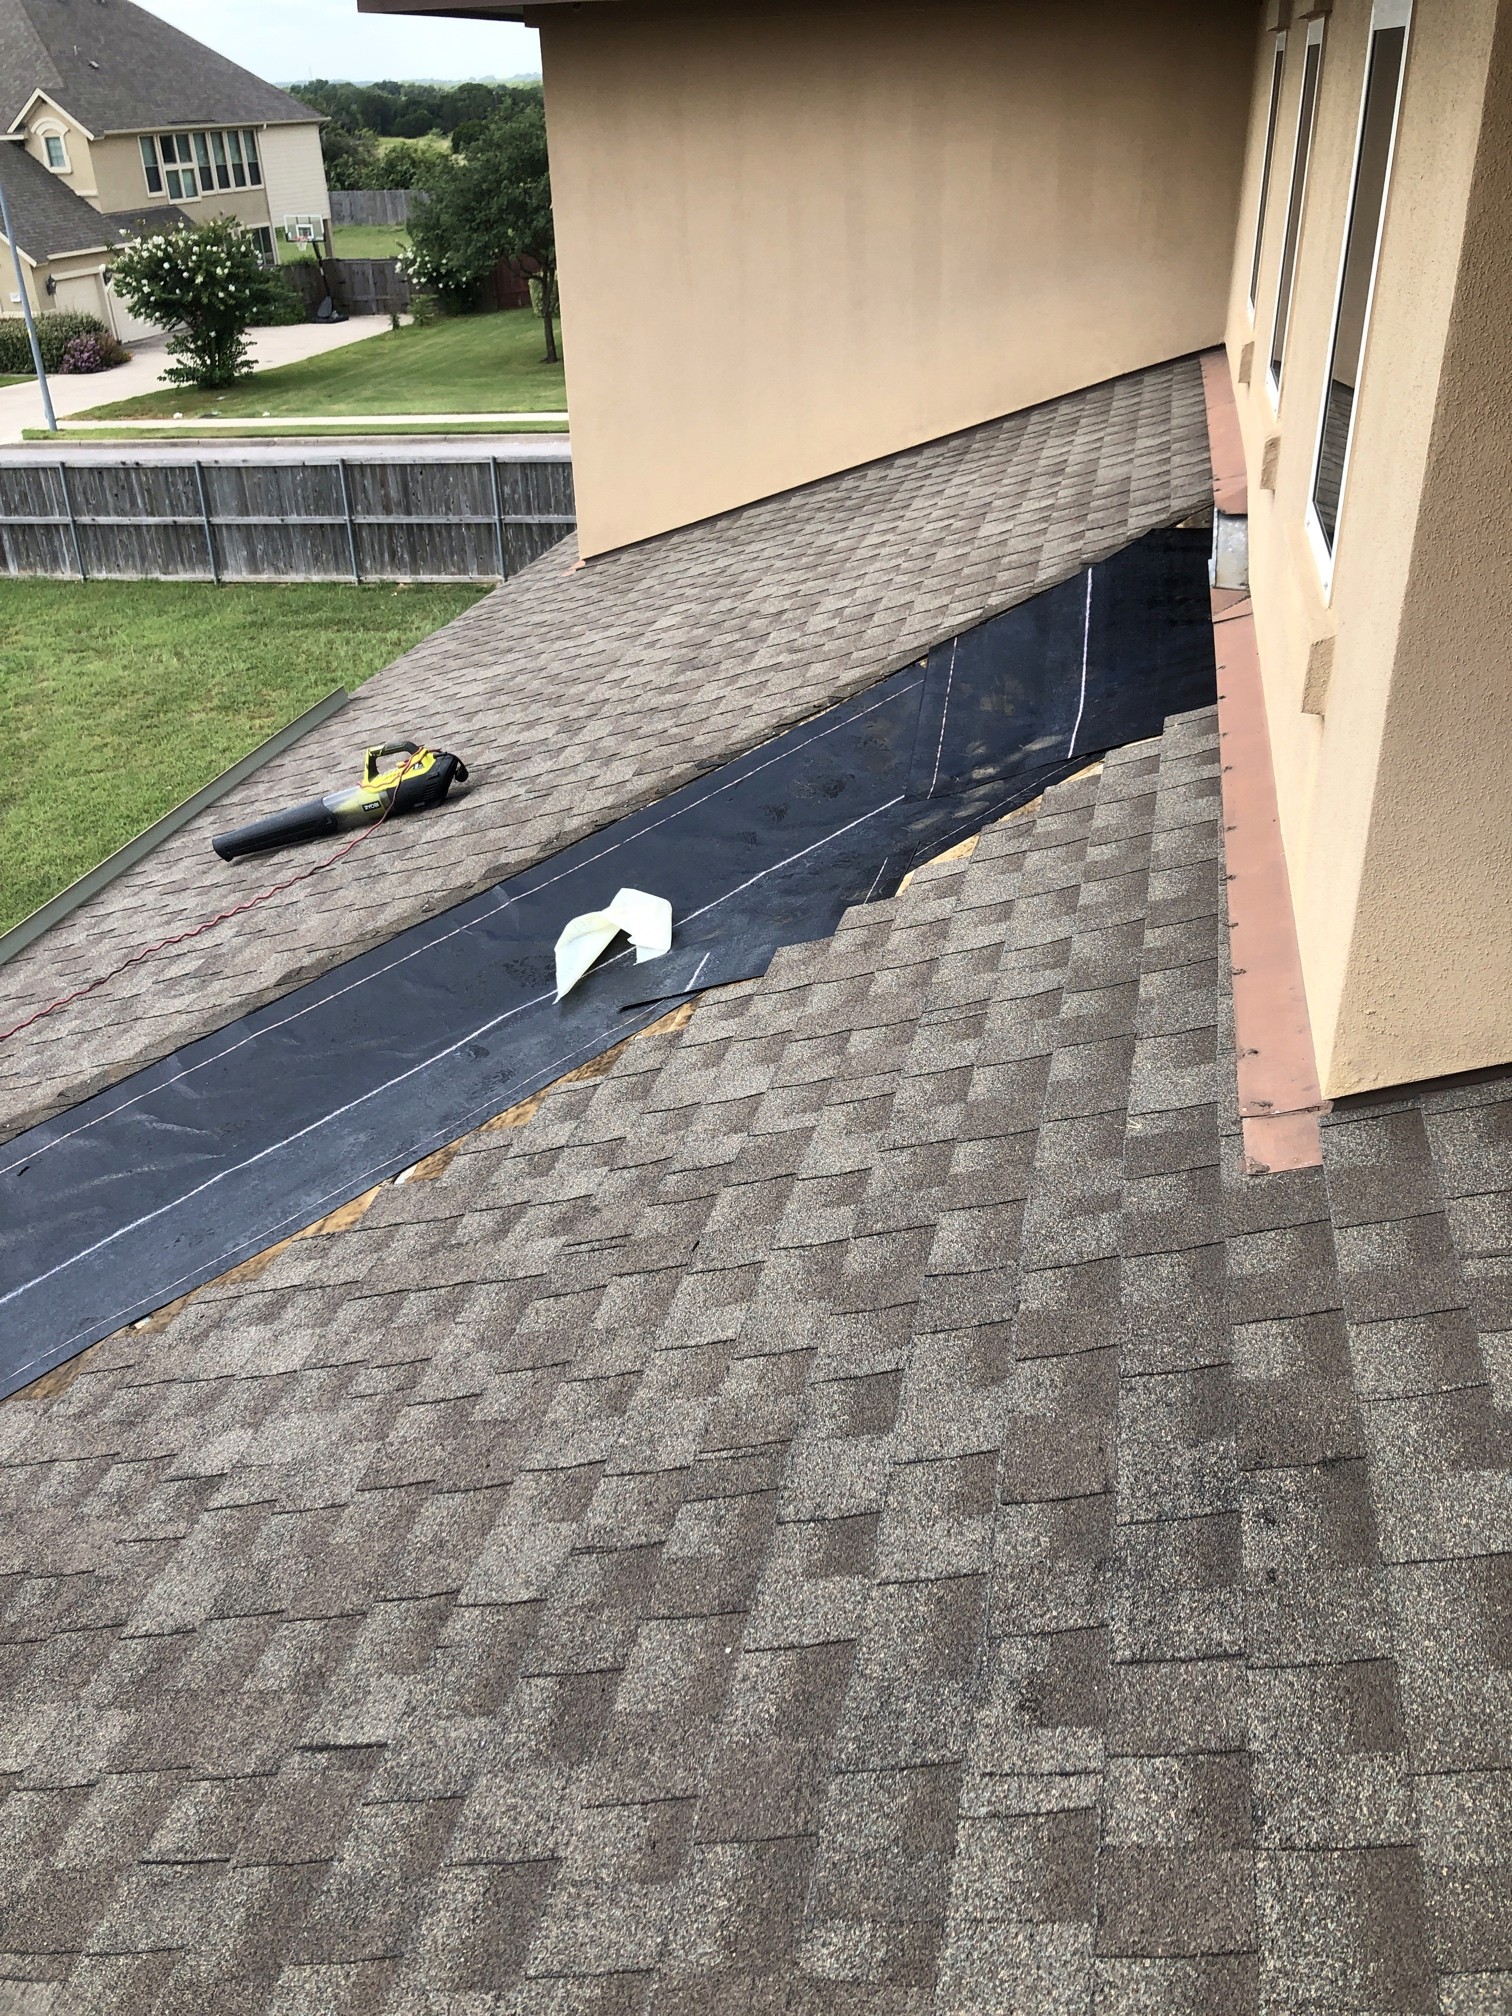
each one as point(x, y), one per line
point(204, 286)
point(282, 302)
point(84, 354)
point(54, 334)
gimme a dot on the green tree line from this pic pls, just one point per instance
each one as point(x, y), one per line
point(371, 129)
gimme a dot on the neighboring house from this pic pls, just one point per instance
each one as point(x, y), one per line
point(133, 116)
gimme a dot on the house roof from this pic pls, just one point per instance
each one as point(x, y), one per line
point(151, 219)
point(865, 1507)
point(119, 69)
point(578, 694)
point(47, 217)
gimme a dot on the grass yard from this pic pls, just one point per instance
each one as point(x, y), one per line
point(120, 698)
point(467, 364)
point(352, 241)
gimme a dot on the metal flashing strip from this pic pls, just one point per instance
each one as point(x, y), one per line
point(1280, 1098)
point(77, 893)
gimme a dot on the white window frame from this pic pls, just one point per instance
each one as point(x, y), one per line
point(1297, 196)
point(1267, 163)
point(1385, 15)
point(47, 135)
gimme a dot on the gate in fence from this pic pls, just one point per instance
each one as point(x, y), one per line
point(336, 520)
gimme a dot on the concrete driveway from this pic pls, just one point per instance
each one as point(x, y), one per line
point(21, 405)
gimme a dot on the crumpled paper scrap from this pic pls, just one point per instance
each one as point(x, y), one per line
point(646, 921)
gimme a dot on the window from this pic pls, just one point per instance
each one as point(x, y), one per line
point(57, 153)
point(1307, 115)
point(265, 245)
point(177, 152)
point(1362, 244)
point(189, 165)
point(1278, 64)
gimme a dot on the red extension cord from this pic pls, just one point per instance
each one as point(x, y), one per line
point(210, 923)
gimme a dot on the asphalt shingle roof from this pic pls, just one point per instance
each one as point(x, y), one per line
point(48, 219)
point(578, 694)
point(120, 69)
point(863, 1510)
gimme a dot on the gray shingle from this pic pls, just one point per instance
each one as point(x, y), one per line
point(750, 1542)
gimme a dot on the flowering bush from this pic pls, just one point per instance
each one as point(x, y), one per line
point(54, 334)
point(83, 354)
point(204, 286)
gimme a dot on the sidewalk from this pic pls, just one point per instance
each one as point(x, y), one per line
point(314, 422)
point(82, 451)
point(21, 405)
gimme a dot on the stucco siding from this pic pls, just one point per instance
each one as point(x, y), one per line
point(794, 239)
point(1390, 754)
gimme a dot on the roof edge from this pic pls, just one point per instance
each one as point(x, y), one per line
point(61, 110)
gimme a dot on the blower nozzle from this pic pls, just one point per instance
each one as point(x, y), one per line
point(414, 778)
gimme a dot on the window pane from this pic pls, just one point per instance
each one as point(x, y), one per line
point(254, 166)
point(202, 156)
point(222, 166)
point(175, 184)
point(1278, 64)
point(1387, 47)
point(56, 158)
point(238, 171)
point(1305, 115)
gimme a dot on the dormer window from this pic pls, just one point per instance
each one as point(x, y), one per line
point(56, 152)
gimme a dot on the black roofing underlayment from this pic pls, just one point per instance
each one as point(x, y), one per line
point(164, 1181)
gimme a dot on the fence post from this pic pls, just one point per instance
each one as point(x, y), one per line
point(498, 504)
point(199, 477)
point(351, 529)
point(73, 528)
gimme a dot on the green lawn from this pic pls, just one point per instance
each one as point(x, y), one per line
point(120, 698)
point(352, 241)
point(467, 364)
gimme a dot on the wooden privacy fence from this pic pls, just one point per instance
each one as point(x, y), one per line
point(374, 206)
point(276, 521)
point(357, 286)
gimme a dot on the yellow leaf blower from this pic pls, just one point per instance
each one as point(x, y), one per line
point(399, 777)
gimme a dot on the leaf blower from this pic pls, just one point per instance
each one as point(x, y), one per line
point(399, 777)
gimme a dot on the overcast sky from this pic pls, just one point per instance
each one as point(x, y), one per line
point(288, 41)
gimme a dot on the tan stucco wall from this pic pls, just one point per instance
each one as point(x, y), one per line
point(1394, 798)
point(796, 237)
point(293, 178)
point(119, 174)
point(81, 173)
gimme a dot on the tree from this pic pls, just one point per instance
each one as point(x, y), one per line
point(204, 285)
point(492, 204)
point(351, 158)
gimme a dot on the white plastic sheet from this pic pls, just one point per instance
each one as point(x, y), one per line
point(646, 920)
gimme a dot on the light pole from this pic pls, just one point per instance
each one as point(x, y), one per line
point(31, 327)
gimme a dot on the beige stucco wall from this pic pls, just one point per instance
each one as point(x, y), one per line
point(1394, 797)
point(796, 237)
point(80, 175)
point(123, 183)
point(293, 176)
